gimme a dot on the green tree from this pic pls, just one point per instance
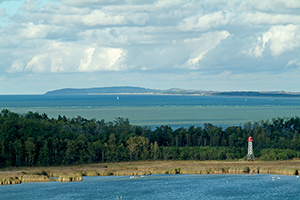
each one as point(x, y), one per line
point(18, 152)
point(132, 146)
point(30, 150)
point(112, 147)
point(44, 154)
point(71, 153)
point(155, 151)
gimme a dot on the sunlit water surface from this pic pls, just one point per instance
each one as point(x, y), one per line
point(161, 187)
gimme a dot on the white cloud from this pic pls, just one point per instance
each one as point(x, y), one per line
point(31, 31)
point(267, 18)
point(260, 46)
point(169, 3)
point(104, 37)
point(65, 10)
point(39, 63)
point(86, 61)
point(270, 5)
point(284, 38)
point(66, 57)
point(207, 21)
point(30, 6)
point(279, 38)
point(104, 59)
point(292, 4)
point(16, 67)
point(293, 62)
point(88, 2)
point(202, 46)
point(137, 18)
point(97, 17)
point(267, 6)
point(94, 18)
point(195, 60)
point(131, 8)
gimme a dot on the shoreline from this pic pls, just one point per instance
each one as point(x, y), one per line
point(17, 175)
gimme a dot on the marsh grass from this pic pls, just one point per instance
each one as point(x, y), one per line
point(74, 172)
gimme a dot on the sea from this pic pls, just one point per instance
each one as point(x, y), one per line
point(156, 110)
point(177, 186)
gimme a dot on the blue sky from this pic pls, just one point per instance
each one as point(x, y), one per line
point(160, 44)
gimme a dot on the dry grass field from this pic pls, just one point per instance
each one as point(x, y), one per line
point(149, 167)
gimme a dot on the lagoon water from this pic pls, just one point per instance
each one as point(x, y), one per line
point(155, 110)
point(179, 186)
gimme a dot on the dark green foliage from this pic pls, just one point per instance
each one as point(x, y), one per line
point(34, 139)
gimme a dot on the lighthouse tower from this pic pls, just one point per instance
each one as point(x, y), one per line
point(250, 155)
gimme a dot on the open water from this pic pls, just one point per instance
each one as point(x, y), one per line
point(155, 110)
point(262, 186)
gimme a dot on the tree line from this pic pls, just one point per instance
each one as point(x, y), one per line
point(34, 139)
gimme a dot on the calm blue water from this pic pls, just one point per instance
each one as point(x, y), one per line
point(156, 110)
point(161, 187)
point(139, 101)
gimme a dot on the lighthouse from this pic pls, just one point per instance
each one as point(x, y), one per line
point(250, 155)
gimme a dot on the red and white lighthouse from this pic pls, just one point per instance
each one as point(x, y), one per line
point(250, 155)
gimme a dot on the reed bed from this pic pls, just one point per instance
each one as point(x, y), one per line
point(76, 172)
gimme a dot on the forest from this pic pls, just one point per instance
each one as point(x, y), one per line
point(34, 139)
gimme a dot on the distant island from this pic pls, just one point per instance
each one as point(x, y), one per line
point(103, 90)
point(172, 91)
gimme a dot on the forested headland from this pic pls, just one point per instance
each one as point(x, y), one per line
point(34, 139)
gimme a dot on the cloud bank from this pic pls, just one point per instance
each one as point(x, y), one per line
point(218, 45)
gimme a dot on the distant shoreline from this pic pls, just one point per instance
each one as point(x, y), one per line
point(174, 91)
point(213, 95)
point(161, 94)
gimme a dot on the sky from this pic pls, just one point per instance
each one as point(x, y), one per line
point(234, 45)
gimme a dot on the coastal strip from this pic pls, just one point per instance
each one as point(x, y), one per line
point(76, 172)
